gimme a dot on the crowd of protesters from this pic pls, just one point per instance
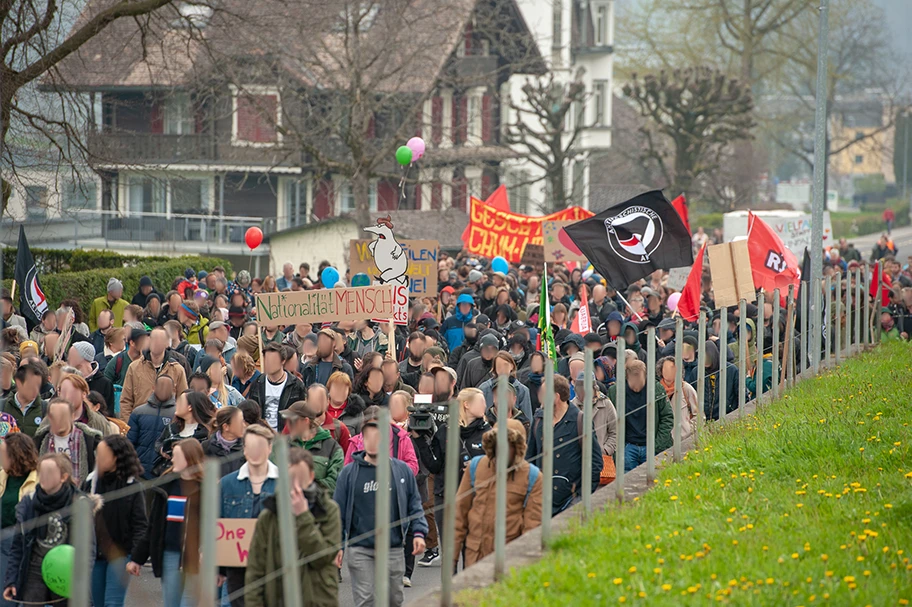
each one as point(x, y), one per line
point(134, 393)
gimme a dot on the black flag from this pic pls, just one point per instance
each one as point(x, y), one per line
point(806, 266)
point(32, 303)
point(633, 239)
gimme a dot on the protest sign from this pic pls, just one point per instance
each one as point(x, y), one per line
point(730, 266)
point(422, 263)
point(558, 246)
point(400, 307)
point(232, 541)
point(677, 278)
point(324, 305)
point(493, 232)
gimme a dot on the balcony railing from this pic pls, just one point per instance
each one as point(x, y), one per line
point(146, 147)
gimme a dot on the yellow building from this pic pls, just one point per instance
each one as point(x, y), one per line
point(858, 126)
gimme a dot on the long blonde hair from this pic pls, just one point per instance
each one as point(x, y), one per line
point(466, 395)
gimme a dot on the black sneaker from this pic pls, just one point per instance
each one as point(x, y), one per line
point(430, 557)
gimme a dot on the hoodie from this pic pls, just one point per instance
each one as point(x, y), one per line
point(146, 424)
point(635, 346)
point(327, 455)
point(452, 328)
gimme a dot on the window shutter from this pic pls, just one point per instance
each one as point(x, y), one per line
point(460, 192)
point(323, 198)
point(436, 120)
point(419, 120)
point(461, 118)
point(487, 118)
point(371, 127)
point(386, 196)
point(485, 185)
point(468, 38)
point(436, 196)
point(157, 119)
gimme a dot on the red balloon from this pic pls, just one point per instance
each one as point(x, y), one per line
point(253, 237)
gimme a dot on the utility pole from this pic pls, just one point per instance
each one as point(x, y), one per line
point(820, 138)
point(907, 124)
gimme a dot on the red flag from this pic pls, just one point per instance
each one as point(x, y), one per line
point(773, 265)
point(885, 286)
point(689, 303)
point(581, 324)
point(499, 200)
point(680, 205)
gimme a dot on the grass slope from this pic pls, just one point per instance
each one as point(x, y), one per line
point(807, 502)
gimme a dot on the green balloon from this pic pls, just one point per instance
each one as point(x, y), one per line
point(404, 155)
point(57, 569)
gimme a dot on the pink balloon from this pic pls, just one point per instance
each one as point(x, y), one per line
point(673, 301)
point(416, 144)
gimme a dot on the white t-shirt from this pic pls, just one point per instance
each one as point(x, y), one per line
point(273, 396)
point(62, 444)
point(188, 430)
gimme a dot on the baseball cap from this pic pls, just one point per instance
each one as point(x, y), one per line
point(448, 289)
point(667, 323)
point(449, 370)
point(297, 410)
point(516, 325)
point(216, 325)
point(593, 338)
point(483, 319)
point(137, 334)
point(328, 333)
point(646, 292)
point(489, 341)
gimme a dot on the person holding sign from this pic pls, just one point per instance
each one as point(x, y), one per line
point(319, 529)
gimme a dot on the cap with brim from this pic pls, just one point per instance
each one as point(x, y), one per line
point(483, 320)
point(609, 350)
point(28, 344)
point(448, 289)
point(328, 333)
point(449, 370)
point(667, 323)
point(500, 275)
point(297, 410)
point(690, 339)
point(137, 334)
point(216, 325)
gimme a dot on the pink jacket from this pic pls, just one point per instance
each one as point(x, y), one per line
point(406, 449)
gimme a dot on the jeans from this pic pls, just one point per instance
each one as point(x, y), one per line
point(634, 455)
point(109, 583)
point(361, 571)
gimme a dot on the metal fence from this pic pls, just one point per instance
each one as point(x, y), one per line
point(835, 345)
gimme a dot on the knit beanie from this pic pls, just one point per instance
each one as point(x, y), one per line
point(86, 350)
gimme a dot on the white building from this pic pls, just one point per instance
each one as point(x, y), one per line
point(572, 35)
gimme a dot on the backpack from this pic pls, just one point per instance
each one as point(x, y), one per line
point(533, 476)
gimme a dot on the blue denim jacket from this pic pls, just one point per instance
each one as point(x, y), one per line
point(238, 499)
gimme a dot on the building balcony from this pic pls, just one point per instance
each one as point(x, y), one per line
point(149, 148)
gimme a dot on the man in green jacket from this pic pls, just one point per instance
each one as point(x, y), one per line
point(303, 422)
point(635, 415)
point(319, 533)
point(25, 404)
point(112, 301)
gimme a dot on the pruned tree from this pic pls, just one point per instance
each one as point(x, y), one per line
point(694, 116)
point(35, 37)
point(548, 122)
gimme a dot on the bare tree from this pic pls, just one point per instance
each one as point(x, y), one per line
point(693, 117)
point(540, 130)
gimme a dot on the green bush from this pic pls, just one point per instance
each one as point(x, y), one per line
point(86, 285)
point(869, 221)
point(53, 261)
point(708, 221)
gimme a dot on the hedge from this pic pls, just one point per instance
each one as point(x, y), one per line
point(54, 261)
point(849, 225)
point(86, 285)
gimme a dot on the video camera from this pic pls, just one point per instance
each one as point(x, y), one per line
point(423, 414)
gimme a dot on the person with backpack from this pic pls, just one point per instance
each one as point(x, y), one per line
point(401, 447)
point(568, 447)
point(319, 395)
point(475, 512)
point(302, 419)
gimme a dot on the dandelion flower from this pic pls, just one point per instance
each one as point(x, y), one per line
point(618, 581)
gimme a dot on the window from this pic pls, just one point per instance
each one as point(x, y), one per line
point(178, 114)
point(578, 111)
point(602, 25)
point(347, 204)
point(474, 121)
point(599, 95)
point(78, 196)
point(859, 135)
point(146, 195)
point(257, 114)
point(189, 195)
point(36, 198)
point(362, 13)
point(859, 159)
point(294, 203)
point(519, 191)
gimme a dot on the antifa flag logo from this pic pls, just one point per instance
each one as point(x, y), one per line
point(635, 233)
point(33, 293)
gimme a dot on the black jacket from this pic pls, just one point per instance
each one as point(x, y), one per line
point(169, 437)
point(309, 372)
point(212, 448)
point(433, 453)
point(294, 391)
point(101, 384)
point(122, 521)
point(477, 372)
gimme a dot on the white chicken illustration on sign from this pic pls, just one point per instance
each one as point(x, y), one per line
point(389, 256)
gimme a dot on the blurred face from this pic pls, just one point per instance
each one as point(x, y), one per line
point(250, 330)
point(158, 342)
point(464, 308)
point(182, 408)
point(476, 406)
point(104, 458)
point(443, 383)
point(303, 329)
point(488, 352)
point(687, 352)
point(60, 418)
point(300, 475)
point(398, 408)
point(668, 371)
point(115, 294)
point(105, 320)
point(502, 367)
point(426, 385)
point(164, 388)
point(256, 449)
point(375, 381)
point(309, 349)
point(316, 395)
point(71, 393)
point(325, 345)
point(338, 392)
point(575, 367)
point(178, 461)
point(237, 426)
point(50, 478)
point(174, 302)
point(371, 436)
point(636, 380)
point(390, 374)
point(74, 359)
point(416, 348)
point(537, 364)
point(49, 322)
point(272, 362)
point(28, 390)
point(199, 385)
point(140, 344)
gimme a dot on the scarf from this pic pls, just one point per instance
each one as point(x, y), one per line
point(225, 444)
point(669, 386)
point(53, 531)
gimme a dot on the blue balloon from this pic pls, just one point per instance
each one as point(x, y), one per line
point(499, 264)
point(361, 280)
point(329, 277)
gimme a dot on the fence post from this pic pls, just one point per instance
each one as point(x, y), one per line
point(828, 317)
point(382, 519)
point(816, 335)
point(723, 364)
point(866, 298)
point(878, 303)
point(291, 583)
point(621, 404)
point(848, 329)
point(451, 475)
point(500, 504)
point(701, 376)
point(650, 408)
point(837, 320)
point(761, 330)
point(209, 513)
point(81, 525)
point(803, 340)
point(547, 453)
point(679, 389)
point(859, 314)
point(742, 356)
point(777, 307)
point(790, 365)
point(586, 479)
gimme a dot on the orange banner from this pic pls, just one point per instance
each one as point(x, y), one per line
point(492, 232)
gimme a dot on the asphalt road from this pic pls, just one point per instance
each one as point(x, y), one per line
point(902, 238)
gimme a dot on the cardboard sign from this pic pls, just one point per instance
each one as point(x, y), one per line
point(324, 305)
point(558, 246)
point(232, 541)
point(534, 255)
point(422, 263)
point(493, 232)
point(400, 306)
point(730, 266)
point(677, 278)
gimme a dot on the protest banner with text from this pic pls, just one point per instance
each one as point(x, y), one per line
point(325, 305)
point(422, 263)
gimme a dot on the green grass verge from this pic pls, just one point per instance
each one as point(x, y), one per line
point(808, 501)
